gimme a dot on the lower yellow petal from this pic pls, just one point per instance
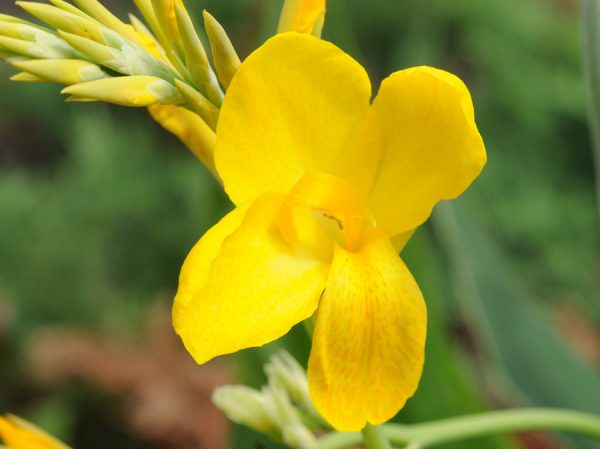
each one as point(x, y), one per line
point(369, 341)
point(257, 287)
point(196, 268)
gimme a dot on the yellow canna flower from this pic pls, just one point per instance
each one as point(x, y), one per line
point(20, 434)
point(324, 182)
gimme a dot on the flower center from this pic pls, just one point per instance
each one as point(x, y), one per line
point(322, 206)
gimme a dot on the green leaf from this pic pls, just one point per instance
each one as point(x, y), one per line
point(530, 361)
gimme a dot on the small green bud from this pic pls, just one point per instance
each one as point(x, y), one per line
point(298, 436)
point(289, 373)
point(225, 57)
point(244, 405)
point(199, 104)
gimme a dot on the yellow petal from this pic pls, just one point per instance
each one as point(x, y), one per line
point(419, 145)
point(190, 129)
point(196, 268)
point(289, 109)
point(303, 16)
point(257, 287)
point(20, 434)
point(369, 340)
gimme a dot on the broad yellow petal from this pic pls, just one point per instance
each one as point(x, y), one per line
point(369, 340)
point(17, 433)
point(256, 289)
point(289, 109)
point(303, 16)
point(196, 268)
point(419, 145)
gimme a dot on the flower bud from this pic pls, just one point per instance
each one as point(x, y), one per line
point(244, 405)
point(298, 436)
point(63, 71)
point(136, 91)
point(287, 371)
point(225, 58)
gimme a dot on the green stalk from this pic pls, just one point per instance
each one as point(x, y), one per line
point(374, 437)
point(467, 427)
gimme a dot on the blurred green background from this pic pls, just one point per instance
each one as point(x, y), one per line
point(99, 206)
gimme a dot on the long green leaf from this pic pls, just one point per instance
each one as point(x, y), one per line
point(531, 363)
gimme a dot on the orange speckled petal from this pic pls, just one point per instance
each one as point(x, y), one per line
point(369, 340)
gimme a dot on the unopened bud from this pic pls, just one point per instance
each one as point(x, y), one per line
point(297, 436)
point(136, 91)
point(225, 57)
point(288, 372)
point(63, 71)
point(244, 405)
point(63, 20)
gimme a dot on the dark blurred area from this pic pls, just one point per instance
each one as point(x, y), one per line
point(99, 207)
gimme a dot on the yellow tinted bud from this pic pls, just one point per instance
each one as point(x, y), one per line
point(135, 91)
point(225, 58)
point(63, 71)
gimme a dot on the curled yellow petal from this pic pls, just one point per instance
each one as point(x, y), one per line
point(303, 16)
point(254, 290)
point(369, 341)
point(20, 434)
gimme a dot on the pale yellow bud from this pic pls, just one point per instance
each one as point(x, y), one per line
point(63, 20)
point(190, 129)
point(63, 71)
point(225, 58)
point(135, 91)
point(199, 104)
point(97, 11)
point(244, 405)
point(26, 78)
point(196, 59)
point(21, 47)
point(100, 53)
point(297, 436)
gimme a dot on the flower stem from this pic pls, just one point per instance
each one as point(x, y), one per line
point(374, 437)
point(466, 427)
point(493, 423)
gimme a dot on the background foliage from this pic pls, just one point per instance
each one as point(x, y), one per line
point(99, 207)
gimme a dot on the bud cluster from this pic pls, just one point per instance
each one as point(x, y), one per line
point(101, 58)
point(282, 409)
